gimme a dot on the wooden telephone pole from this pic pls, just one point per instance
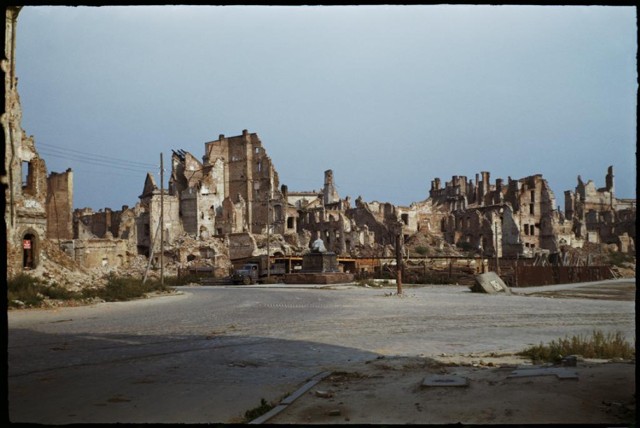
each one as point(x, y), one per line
point(399, 257)
point(161, 221)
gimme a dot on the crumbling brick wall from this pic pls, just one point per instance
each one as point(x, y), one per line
point(25, 173)
point(60, 205)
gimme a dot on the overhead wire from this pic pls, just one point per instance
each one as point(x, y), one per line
point(92, 157)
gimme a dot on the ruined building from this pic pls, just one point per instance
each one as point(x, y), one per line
point(598, 216)
point(368, 229)
point(230, 205)
point(512, 219)
point(37, 208)
point(25, 173)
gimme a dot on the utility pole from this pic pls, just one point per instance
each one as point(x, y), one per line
point(161, 221)
point(497, 262)
point(399, 257)
point(269, 232)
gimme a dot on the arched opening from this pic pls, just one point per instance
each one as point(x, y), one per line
point(29, 244)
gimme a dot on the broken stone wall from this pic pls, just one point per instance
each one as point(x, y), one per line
point(60, 205)
point(248, 172)
point(241, 245)
point(25, 178)
point(99, 253)
point(597, 215)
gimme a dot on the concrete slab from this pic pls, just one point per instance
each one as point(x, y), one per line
point(444, 380)
point(560, 372)
point(304, 388)
point(490, 283)
point(290, 399)
point(271, 413)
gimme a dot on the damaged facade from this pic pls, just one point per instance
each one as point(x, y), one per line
point(512, 219)
point(598, 216)
point(25, 174)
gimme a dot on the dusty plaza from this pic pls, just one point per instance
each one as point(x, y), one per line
point(209, 354)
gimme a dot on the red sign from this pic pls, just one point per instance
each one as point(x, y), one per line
point(26, 244)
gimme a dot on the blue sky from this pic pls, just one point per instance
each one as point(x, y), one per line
point(388, 97)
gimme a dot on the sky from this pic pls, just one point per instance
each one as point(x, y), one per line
point(388, 97)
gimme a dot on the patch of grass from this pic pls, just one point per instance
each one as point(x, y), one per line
point(598, 345)
point(258, 411)
point(31, 292)
point(124, 288)
point(26, 289)
point(60, 293)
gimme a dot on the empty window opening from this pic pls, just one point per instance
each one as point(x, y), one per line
point(26, 172)
point(290, 224)
point(405, 219)
point(27, 177)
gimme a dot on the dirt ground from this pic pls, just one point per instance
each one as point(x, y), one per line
point(390, 391)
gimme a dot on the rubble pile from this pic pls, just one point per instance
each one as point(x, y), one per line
point(430, 245)
point(58, 268)
point(278, 244)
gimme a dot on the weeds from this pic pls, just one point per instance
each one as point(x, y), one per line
point(598, 345)
point(24, 290)
point(256, 412)
point(122, 288)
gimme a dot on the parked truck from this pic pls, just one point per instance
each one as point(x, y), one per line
point(256, 270)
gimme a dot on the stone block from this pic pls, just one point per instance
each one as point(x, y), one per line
point(490, 283)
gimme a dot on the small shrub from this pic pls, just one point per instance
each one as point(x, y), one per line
point(60, 293)
point(26, 289)
point(598, 345)
point(123, 288)
point(256, 412)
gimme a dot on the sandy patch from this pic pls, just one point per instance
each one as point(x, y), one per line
point(389, 390)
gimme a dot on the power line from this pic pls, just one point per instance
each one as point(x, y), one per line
point(111, 173)
point(94, 156)
point(96, 162)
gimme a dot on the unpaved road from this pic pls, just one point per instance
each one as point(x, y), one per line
point(211, 353)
